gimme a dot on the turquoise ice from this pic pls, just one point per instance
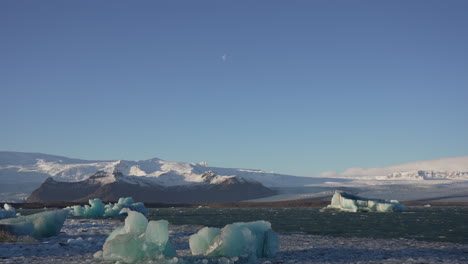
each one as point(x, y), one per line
point(45, 224)
point(139, 240)
point(8, 211)
point(252, 240)
point(98, 209)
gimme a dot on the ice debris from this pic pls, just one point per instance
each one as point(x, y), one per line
point(251, 240)
point(346, 202)
point(98, 209)
point(138, 240)
point(8, 211)
point(44, 224)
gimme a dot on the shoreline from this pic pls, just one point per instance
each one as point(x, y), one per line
point(312, 203)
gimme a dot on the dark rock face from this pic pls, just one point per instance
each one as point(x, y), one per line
point(231, 190)
point(55, 191)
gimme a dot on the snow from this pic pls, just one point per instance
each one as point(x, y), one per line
point(445, 166)
point(30, 169)
point(98, 209)
point(166, 173)
point(252, 240)
point(351, 203)
point(80, 239)
point(44, 224)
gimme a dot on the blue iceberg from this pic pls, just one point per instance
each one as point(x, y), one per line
point(8, 211)
point(252, 240)
point(45, 224)
point(342, 201)
point(98, 209)
point(138, 241)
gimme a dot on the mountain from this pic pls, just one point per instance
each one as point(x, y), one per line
point(17, 167)
point(455, 168)
point(24, 172)
point(111, 186)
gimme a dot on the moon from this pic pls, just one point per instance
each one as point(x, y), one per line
point(224, 57)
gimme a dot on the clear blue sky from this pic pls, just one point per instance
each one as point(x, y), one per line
point(297, 87)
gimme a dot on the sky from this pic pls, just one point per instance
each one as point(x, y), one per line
point(294, 87)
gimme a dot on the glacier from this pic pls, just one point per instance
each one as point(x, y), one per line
point(98, 209)
point(8, 211)
point(346, 202)
point(138, 240)
point(44, 224)
point(252, 240)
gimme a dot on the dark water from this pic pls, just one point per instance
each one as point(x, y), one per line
point(448, 224)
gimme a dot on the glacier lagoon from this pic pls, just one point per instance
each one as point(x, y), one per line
point(437, 223)
point(446, 224)
point(421, 234)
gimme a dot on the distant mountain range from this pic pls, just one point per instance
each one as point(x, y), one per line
point(21, 173)
point(169, 181)
point(450, 168)
point(111, 186)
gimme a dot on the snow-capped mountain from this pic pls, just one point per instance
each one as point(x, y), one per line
point(21, 173)
point(24, 172)
point(439, 169)
point(111, 186)
point(426, 175)
point(16, 167)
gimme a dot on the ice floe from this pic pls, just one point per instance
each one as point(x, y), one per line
point(98, 209)
point(8, 211)
point(138, 240)
point(346, 202)
point(251, 240)
point(44, 224)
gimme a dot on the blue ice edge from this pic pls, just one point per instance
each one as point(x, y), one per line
point(44, 224)
point(139, 240)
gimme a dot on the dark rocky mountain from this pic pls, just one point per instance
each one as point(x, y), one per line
point(112, 186)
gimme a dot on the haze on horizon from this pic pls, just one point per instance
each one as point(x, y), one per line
point(298, 88)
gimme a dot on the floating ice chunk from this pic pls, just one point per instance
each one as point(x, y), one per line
point(43, 224)
point(253, 239)
point(346, 202)
point(201, 243)
point(124, 202)
point(98, 209)
point(8, 211)
point(138, 240)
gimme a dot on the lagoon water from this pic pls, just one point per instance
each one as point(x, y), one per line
point(445, 224)
point(306, 235)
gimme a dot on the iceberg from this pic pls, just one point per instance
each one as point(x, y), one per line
point(44, 224)
point(8, 211)
point(124, 202)
point(252, 240)
point(98, 209)
point(138, 240)
point(346, 202)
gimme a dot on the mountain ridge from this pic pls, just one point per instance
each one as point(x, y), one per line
point(21, 173)
point(111, 186)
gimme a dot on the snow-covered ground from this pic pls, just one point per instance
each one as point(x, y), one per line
point(81, 238)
